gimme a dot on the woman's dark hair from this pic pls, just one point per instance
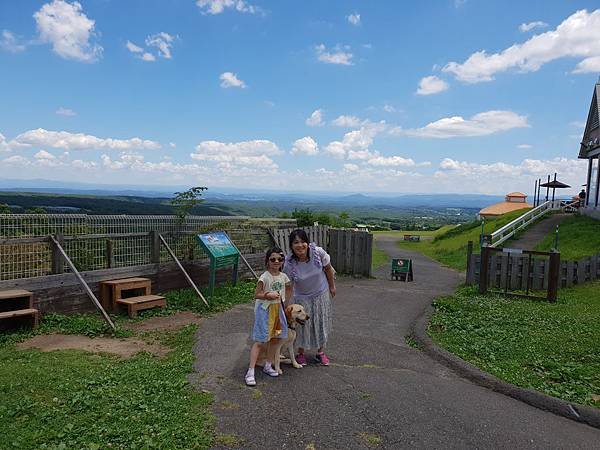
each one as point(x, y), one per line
point(270, 252)
point(300, 234)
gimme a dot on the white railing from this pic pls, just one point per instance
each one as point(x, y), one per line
point(507, 231)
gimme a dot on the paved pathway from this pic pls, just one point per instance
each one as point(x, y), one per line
point(533, 235)
point(377, 387)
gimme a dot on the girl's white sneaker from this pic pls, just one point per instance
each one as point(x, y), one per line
point(268, 369)
point(249, 378)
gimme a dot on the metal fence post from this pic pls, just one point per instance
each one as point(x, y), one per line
point(469, 279)
point(155, 247)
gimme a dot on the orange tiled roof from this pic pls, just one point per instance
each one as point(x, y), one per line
point(516, 194)
point(503, 208)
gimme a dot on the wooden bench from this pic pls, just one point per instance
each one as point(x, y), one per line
point(132, 293)
point(16, 304)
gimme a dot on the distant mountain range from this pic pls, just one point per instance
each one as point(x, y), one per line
point(224, 195)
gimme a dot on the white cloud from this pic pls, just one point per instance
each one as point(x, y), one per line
point(133, 48)
point(10, 43)
point(525, 27)
point(355, 141)
point(148, 57)
point(389, 108)
point(69, 30)
point(339, 55)
point(65, 112)
point(172, 145)
point(347, 122)
point(482, 124)
point(315, 119)
point(163, 43)
point(219, 6)
point(577, 36)
point(588, 65)
point(4, 147)
point(80, 141)
point(391, 161)
point(306, 146)
point(43, 154)
point(17, 160)
point(500, 177)
point(354, 19)
point(351, 168)
point(229, 79)
point(251, 154)
point(525, 146)
point(431, 85)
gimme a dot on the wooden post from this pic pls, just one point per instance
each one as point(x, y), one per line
point(110, 255)
point(185, 274)
point(469, 279)
point(57, 258)
point(83, 283)
point(369, 255)
point(553, 276)
point(483, 271)
point(155, 247)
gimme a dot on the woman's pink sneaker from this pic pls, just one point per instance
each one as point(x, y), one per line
point(322, 358)
point(301, 359)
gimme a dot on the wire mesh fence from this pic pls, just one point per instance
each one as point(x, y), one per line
point(100, 242)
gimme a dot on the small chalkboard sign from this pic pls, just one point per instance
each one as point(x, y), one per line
point(222, 253)
point(402, 269)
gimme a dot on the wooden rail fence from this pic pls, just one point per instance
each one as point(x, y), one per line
point(350, 251)
point(512, 271)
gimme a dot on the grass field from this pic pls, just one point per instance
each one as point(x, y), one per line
point(440, 230)
point(74, 399)
point(552, 348)
point(450, 247)
point(579, 236)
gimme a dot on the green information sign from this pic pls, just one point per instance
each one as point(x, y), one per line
point(222, 253)
point(402, 268)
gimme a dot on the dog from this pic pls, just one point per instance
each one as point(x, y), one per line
point(295, 315)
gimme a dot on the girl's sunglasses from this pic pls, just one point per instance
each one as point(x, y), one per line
point(274, 259)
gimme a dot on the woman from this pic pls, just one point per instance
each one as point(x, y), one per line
point(312, 276)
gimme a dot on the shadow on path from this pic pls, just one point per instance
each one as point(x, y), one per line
point(377, 390)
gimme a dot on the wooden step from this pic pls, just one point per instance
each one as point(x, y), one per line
point(135, 304)
point(18, 313)
point(14, 293)
point(127, 280)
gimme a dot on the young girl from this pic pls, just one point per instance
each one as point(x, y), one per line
point(269, 317)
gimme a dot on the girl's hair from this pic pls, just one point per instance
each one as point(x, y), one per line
point(270, 252)
point(300, 234)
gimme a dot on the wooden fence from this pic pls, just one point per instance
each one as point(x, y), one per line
point(350, 251)
point(516, 271)
point(317, 234)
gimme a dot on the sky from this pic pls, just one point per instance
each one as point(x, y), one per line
point(440, 96)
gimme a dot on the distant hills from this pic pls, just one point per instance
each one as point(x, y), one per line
point(156, 197)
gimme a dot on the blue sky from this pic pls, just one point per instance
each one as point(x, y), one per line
point(349, 96)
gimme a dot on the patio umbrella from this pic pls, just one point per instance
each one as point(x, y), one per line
point(554, 184)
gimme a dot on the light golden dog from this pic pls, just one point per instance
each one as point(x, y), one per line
point(295, 315)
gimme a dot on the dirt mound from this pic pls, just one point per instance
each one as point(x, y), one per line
point(125, 348)
point(173, 322)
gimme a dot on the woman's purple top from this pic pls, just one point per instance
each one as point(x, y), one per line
point(308, 277)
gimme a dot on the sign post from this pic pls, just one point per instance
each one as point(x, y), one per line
point(222, 253)
point(402, 268)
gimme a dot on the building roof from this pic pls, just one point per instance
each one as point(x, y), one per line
point(516, 194)
point(591, 136)
point(503, 208)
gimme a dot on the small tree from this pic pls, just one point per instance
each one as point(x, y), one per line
point(185, 201)
point(5, 209)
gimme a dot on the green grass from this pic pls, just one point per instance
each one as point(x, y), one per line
point(579, 236)
point(551, 348)
point(450, 247)
point(440, 230)
point(74, 399)
point(379, 258)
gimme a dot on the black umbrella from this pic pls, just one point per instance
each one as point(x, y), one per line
point(554, 184)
